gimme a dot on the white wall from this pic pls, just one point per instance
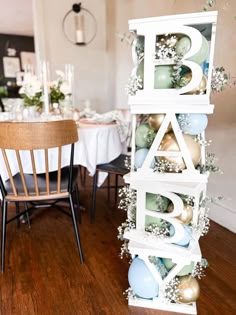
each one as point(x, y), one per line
point(90, 61)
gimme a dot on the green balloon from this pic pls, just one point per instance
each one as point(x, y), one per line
point(183, 272)
point(152, 220)
point(163, 77)
point(156, 202)
point(202, 54)
point(144, 136)
point(184, 44)
point(186, 270)
point(168, 263)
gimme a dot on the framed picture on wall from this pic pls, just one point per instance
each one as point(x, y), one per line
point(28, 61)
point(11, 65)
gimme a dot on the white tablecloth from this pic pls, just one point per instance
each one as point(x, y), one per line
point(97, 144)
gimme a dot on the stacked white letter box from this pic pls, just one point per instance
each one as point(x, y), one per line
point(174, 74)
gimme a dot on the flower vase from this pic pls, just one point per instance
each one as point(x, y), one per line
point(66, 107)
point(30, 112)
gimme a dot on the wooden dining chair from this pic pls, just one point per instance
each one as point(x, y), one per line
point(38, 190)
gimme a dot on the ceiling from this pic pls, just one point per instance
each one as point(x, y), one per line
point(16, 17)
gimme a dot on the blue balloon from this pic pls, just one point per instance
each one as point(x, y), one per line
point(187, 235)
point(141, 280)
point(192, 124)
point(140, 156)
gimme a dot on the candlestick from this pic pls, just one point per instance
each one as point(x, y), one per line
point(45, 88)
point(79, 27)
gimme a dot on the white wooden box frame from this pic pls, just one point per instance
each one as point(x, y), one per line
point(169, 102)
point(159, 302)
point(190, 174)
point(170, 191)
point(150, 28)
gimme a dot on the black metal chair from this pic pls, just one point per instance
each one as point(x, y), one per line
point(118, 167)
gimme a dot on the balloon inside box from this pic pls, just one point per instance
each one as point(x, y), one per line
point(191, 126)
point(152, 278)
point(176, 64)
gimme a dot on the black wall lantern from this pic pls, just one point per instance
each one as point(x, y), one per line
point(79, 25)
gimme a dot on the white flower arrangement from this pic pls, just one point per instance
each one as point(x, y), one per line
point(31, 91)
point(59, 88)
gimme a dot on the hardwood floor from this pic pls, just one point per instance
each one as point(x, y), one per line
point(43, 274)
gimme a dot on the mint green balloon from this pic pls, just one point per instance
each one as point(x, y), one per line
point(156, 202)
point(144, 136)
point(168, 263)
point(184, 44)
point(152, 220)
point(186, 270)
point(183, 272)
point(202, 54)
point(163, 78)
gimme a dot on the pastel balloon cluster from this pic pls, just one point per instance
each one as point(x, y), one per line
point(145, 286)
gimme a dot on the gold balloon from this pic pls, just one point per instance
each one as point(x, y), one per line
point(155, 121)
point(189, 289)
point(186, 214)
point(169, 143)
point(201, 88)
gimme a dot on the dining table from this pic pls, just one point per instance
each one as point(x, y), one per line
point(98, 143)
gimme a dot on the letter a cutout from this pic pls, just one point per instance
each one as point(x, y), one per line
point(183, 152)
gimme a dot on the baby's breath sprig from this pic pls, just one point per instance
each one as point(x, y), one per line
point(210, 165)
point(170, 291)
point(124, 227)
point(124, 250)
point(135, 83)
point(128, 202)
point(199, 139)
point(162, 166)
point(203, 225)
point(199, 269)
point(129, 293)
point(220, 79)
point(159, 231)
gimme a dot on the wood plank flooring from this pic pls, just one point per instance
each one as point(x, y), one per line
point(43, 274)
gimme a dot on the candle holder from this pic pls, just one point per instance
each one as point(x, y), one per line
point(79, 25)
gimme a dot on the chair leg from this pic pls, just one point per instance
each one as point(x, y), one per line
point(108, 187)
point(27, 215)
point(92, 211)
point(4, 218)
point(76, 229)
point(17, 212)
point(78, 212)
point(82, 171)
point(116, 188)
